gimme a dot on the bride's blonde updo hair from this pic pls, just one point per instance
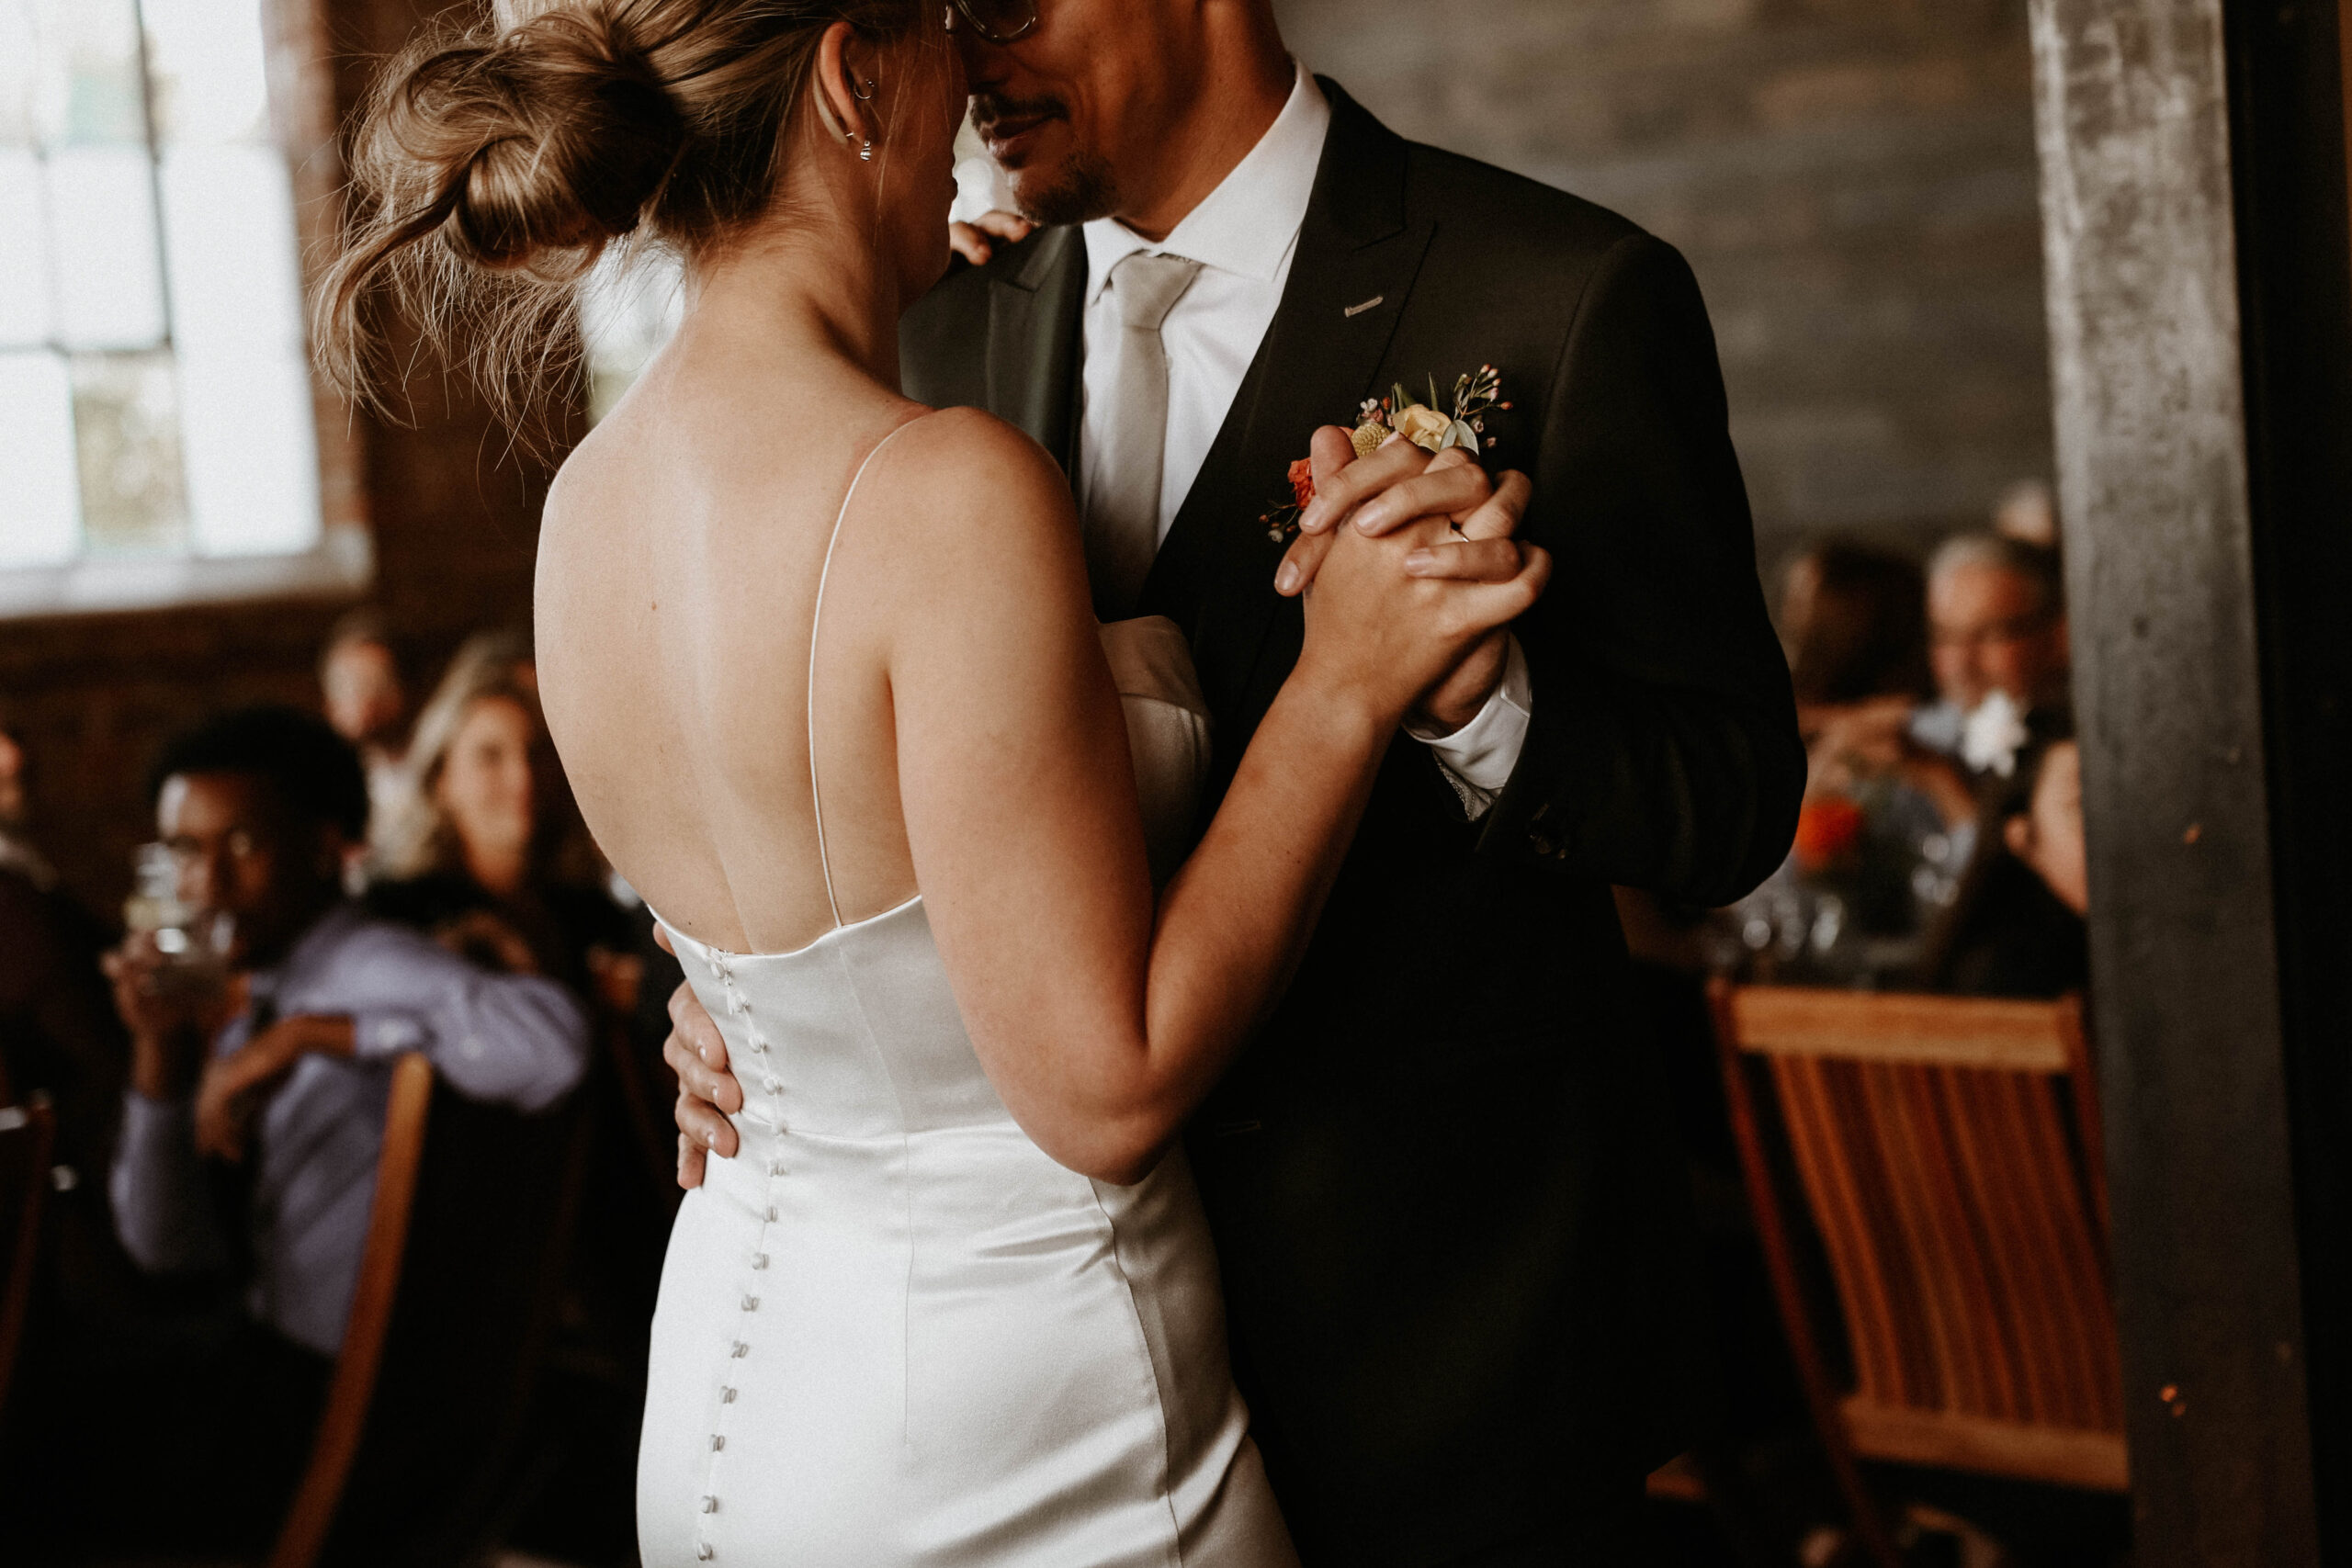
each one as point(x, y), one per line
point(495, 163)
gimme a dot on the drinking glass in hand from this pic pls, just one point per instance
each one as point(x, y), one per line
point(191, 943)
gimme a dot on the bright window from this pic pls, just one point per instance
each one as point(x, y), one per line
point(155, 403)
point(628, 309)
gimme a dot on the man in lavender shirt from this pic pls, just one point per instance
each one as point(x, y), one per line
point(254, 1118)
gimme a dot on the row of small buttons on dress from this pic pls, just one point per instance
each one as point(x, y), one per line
point(741, 1006)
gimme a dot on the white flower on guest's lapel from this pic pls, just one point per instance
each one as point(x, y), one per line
point(1992, 735)
point(1424, 426)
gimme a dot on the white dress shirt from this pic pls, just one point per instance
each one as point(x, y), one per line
point(1245, 234)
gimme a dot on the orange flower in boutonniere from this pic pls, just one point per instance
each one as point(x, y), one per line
point(1301, 483)
point(1434, 426)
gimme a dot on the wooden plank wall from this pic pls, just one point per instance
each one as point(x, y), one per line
point(1853, 182)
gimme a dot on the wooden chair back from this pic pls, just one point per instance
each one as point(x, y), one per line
point(1947, 1152)
point(352, 1392)
point(416, 1447)
point(27, 1140)
point(497, 1195)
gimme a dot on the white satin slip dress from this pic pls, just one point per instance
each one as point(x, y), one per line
point(891, 1330)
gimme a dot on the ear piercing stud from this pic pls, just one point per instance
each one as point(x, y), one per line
point(864, 93)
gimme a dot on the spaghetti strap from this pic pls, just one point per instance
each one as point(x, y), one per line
point(816, 620)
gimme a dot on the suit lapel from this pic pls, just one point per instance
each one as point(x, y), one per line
point(1032, 341)
point(1356, 262)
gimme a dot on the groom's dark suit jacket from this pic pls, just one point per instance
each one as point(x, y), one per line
point(1442, 1180)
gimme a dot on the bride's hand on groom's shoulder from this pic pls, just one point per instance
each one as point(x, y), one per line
point(706, 1089)
point(970, 241)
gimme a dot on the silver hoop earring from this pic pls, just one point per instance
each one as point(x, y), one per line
point(864, 97)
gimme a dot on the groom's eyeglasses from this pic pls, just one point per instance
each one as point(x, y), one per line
point(998, 21)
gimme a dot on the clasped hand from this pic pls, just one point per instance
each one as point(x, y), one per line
point(1461, 523)
point(1456, 526)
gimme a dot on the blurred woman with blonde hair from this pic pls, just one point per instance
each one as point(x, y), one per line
point(486, 849)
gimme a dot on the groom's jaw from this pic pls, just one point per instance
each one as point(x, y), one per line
point(1054, 178)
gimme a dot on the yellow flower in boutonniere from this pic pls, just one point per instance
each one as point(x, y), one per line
point(1424, 426)
point(1432, 426)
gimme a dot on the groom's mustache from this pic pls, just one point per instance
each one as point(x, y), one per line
point(992, 109)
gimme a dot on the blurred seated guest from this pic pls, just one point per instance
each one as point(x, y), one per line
point(58, 1035)
point(2048, 836)
point(59, 1039)
point(1854, 624)
point(359, 679)
point(258, 1082)
point(500, 655)
point(1886, 824)
point(1997, 644)
point(2019, 930)
point(488, 852)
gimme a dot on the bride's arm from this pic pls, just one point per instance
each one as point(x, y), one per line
point(1100, 1016)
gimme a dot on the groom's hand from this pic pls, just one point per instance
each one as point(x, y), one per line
point(697, 1052)
point(1397, 485)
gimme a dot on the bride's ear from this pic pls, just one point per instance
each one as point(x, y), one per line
point(841, 95)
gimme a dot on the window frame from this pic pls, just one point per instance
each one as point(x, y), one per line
point(341, 564)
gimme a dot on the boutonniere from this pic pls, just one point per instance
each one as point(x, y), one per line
point(1433, 425)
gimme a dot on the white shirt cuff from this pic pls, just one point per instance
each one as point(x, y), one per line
point(1477, 759)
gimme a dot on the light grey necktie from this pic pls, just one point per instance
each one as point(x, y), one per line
point(1122, 505)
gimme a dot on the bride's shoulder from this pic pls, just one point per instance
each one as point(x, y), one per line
point(977, 506)
point(959, 448)
point(961, 475)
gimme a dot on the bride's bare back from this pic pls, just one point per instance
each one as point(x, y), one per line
point(678, 583)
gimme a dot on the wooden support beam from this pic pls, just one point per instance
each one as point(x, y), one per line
point(2132, 114)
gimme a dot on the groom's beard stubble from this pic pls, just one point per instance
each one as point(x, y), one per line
point(1081, 188)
